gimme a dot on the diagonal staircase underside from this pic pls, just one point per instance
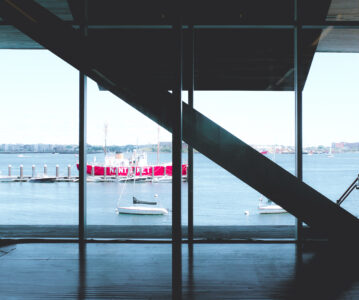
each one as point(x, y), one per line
point(210, 139)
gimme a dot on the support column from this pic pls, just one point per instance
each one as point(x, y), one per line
point(190, 148)
point(298, 105)
point(82, 136)
point(177, 163)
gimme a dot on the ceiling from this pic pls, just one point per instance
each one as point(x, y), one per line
point(135, 40)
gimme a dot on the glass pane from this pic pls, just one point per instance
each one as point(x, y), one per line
point(143, 66)
point(254, 101)
point(39, 140)
point(329, 123)
point(221, 198)
point(129, 166)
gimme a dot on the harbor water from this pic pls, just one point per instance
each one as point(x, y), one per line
point(219, 197)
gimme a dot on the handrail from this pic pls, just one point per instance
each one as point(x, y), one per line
point(354, 185)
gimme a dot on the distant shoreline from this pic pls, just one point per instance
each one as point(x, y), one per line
point(33, 152)
point(70, 152)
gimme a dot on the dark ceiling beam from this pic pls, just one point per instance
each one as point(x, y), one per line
point(335, 25)
point(219, 145)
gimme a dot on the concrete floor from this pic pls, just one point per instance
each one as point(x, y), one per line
point(143, 271)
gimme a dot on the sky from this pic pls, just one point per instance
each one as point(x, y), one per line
point(39, 93)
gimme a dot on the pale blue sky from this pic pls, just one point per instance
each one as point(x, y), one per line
point(39, 93)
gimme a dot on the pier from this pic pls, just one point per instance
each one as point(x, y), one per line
point(45, 178)
point(34, 177)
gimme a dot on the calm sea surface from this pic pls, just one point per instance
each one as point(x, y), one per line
point(219, 198)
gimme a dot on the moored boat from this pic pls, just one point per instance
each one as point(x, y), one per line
point(43, 179)
point(141, 210)
point(270, 208)
point(7, 178)
point(136, 166)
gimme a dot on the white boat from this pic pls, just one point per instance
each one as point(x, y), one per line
point(141, 210)
point(270, 208)
point(165, 178)
point(43, 179)
point(7, 178)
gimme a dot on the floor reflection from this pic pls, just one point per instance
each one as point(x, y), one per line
point(209, 271)
point(324, 272)
point(190, 277)
point(82, 271)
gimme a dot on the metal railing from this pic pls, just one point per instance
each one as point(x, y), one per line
point(354, 185)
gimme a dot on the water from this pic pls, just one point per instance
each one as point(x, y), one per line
point(219, 197)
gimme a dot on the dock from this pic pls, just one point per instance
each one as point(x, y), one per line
point(51, 179)
point(46, 178)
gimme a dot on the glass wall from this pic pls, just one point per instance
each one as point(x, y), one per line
point(136, 154)
point(329, 115)
point(41, 119)
point(221, 198)
point(261, 114)
point(38, 140)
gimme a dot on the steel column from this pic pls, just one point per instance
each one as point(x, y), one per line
point(298, 105)
point(177, 163)
point(190, 148)
point(82, 137)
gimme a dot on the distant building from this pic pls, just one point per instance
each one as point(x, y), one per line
point(338, 145)
point(345, 147)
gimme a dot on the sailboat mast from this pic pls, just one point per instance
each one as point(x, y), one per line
point(105, 149)
point(158, 145)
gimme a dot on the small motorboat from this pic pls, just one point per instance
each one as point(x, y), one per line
point(43, 179)
point(141, 210)
point(166, 179)
point(162, 179)
point(270, 208)
point(7, 178)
